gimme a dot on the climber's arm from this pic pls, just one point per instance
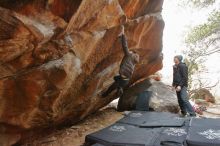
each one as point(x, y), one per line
point(124, 42)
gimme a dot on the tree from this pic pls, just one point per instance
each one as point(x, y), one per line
point(196, 81)
point(205, 36)
point(202, 41)
point(195, 67)
point(197, 3)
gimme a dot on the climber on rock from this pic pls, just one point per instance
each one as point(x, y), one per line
point(126, 70)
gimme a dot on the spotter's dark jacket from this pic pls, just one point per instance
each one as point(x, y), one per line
point(180, 75)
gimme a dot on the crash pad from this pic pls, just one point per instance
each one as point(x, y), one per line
point(204, 132)
point(152, 119)
point(124, 135)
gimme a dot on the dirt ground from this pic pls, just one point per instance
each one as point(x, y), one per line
point(75, 135)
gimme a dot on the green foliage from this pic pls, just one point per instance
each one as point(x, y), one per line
point(195, 66)
point(198, 3)
point(202, 41)
point(202, 3)
point(207, 32)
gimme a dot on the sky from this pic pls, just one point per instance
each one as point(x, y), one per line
point(178, 20)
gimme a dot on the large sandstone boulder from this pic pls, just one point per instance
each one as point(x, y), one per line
point(203, 96)
point(162, 99)
point(56, 56)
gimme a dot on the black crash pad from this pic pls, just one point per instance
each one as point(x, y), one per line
point(142, 101)
point(205, 122)
point(124, 135)
point(152, 119)
point(173, 136)
point(204, 132)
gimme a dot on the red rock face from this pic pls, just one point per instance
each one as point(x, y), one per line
point(56, 57)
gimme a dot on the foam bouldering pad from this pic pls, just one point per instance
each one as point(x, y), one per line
point(203, 136)
point(142, 101)
point(173, 136)
point(205, 122)
point(124, 135)
point(204, 132)
point(152, 119)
